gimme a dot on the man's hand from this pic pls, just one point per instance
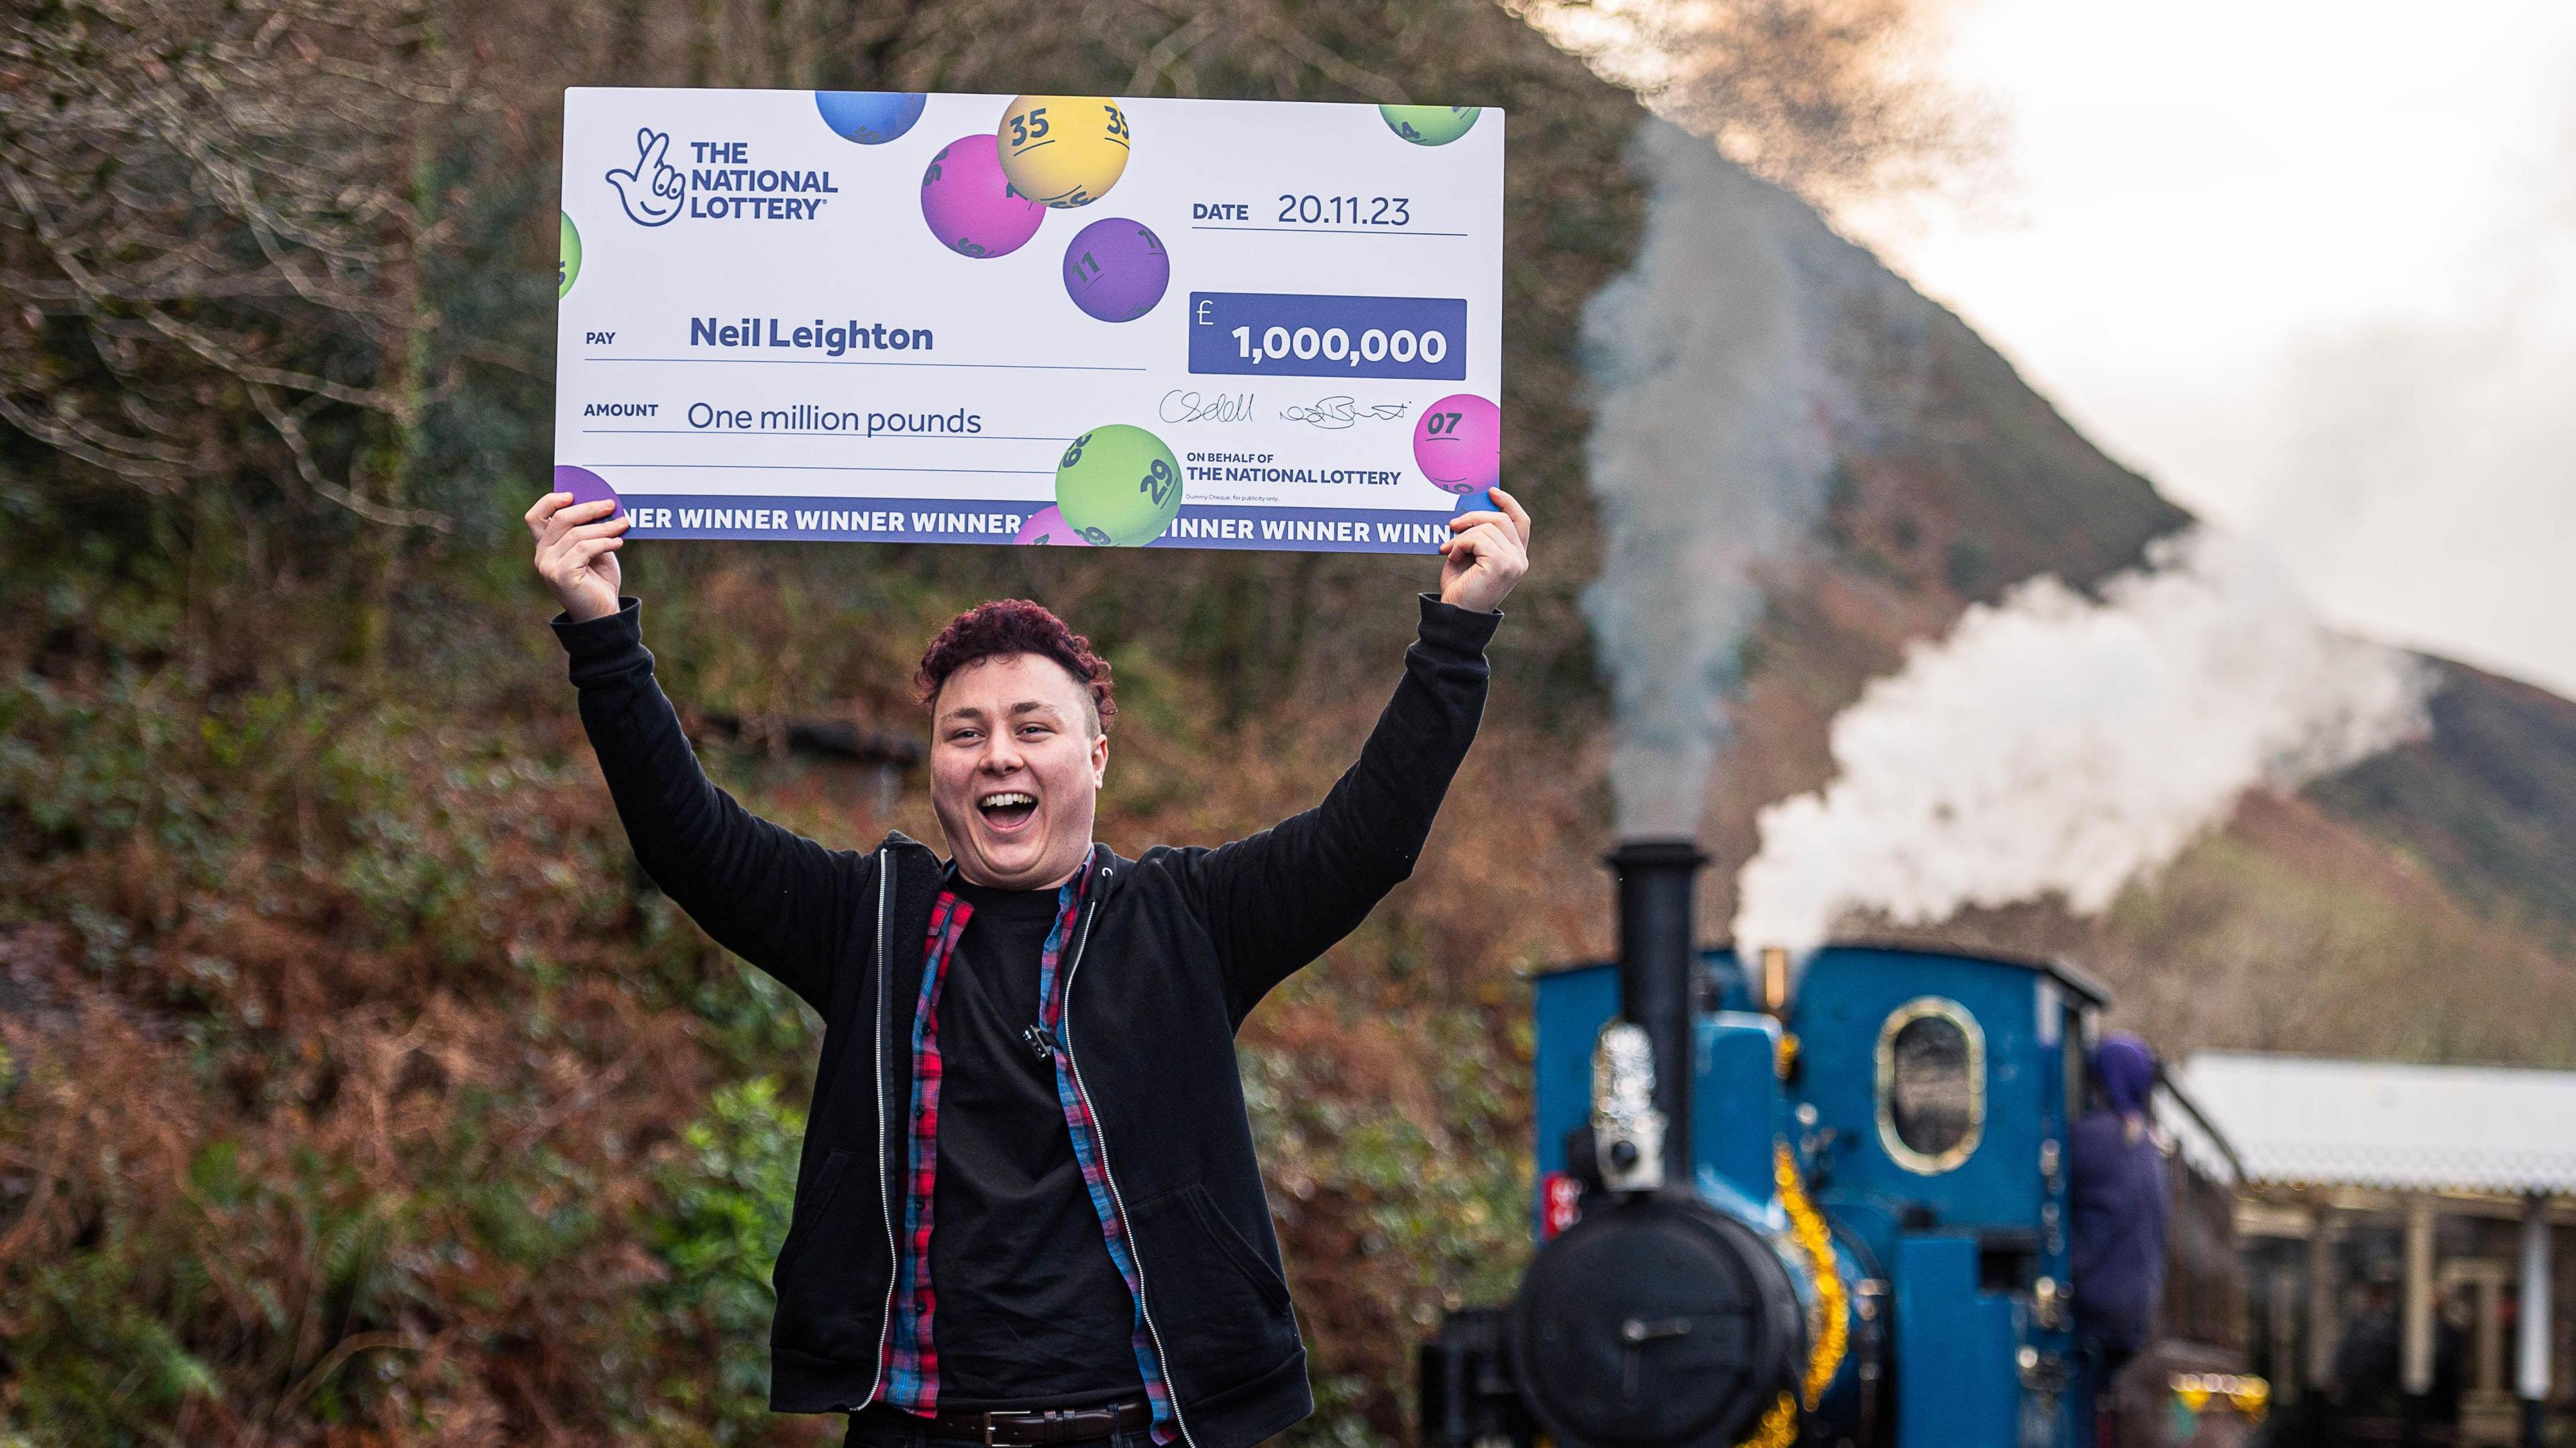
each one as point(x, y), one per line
point(1485, 553)
point(577, 553)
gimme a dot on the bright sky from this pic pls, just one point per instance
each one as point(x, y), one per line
point(2311, 266)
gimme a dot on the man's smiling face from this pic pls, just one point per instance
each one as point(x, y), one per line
point(1016, 760)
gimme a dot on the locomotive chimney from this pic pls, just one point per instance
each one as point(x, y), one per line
point(1658, 966)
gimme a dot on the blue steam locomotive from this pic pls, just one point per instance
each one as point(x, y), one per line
point(1846, 1223)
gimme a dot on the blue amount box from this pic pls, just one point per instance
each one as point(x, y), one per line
point(1286, 335)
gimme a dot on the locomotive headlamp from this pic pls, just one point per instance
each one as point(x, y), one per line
point(1627, 1130)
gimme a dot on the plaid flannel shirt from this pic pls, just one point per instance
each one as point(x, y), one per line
point(911, 1356)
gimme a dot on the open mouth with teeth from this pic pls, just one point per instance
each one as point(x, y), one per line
point(1007, 809)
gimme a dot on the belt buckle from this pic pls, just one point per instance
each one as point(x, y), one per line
point(993, 1424)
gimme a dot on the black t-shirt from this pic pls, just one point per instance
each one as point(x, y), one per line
point(1031, 1310)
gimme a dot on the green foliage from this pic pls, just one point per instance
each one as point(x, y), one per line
point(111, 1337)
point(80, 769)
point(102, 1365)
point(1437, 1209)
point(728, 1203)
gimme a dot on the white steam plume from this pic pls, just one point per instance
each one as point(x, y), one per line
point(1707, 454)
point(2053, 744)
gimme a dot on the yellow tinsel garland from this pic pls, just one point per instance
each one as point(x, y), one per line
point(1827, 1326)
point(1778, 1428)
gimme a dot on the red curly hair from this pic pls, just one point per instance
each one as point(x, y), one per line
point(1015, 626)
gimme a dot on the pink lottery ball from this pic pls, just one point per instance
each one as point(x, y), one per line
point(969, 203)
point(1049, 528)
point(1458, 443)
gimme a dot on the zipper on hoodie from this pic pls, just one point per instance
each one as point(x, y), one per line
point(885, 1208)
point(1116, 1201)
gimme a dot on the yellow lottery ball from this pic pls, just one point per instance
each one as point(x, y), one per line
point(1063, 150)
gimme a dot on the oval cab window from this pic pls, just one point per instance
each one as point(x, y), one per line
point(1931, 1084)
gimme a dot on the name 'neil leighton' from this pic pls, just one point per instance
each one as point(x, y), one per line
point(832, 339)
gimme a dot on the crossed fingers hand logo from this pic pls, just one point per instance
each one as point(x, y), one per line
point(652, 189)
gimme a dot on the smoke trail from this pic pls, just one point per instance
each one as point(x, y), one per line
point(2052, 744)
point(1706, 454)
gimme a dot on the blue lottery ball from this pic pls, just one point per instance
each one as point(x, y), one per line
point(870, 118)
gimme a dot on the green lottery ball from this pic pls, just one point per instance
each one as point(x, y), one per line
point(1429, 125)
point(1119, 486)
point(568, 261)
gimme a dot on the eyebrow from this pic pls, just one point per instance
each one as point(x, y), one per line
point(1025, 706)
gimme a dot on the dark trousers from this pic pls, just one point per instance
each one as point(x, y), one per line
point(2100, 1367)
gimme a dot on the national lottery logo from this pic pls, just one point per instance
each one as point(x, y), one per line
point(723, 181)
point(652, 189)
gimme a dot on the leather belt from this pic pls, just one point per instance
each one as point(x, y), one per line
point(1018, 1430)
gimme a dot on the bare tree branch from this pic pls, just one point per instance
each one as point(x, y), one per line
point(218, 199)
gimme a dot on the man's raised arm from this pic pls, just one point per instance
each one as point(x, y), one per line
point(1276, 900)
point(775, 898)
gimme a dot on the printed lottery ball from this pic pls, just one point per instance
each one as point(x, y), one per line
point(1116, 269)
point(1063, 150)
point(1119, 486)
point(1048, 528)
point(587, 487)
point(970, 204)
point(568, 259)
point(1458, 443)
point(870, 118)
point(1429, 125)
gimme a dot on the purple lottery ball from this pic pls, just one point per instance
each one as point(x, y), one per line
point(587, 487)
point(1458, 443)
point(1116, 270)
point(969, 203)
point(1048, 527)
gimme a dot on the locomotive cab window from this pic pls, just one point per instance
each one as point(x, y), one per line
point(1931, 1084)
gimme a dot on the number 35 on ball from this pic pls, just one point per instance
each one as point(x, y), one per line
point(1063, 150)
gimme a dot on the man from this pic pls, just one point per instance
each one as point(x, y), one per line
point(2117, 1204)
point(1028, 1209)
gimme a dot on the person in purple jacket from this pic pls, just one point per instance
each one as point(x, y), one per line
point(2116, 1189)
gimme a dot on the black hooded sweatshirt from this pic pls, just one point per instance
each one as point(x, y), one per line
point(1173, 951)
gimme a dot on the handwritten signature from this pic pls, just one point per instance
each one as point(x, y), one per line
point(1179, 406)
point(1336, 413)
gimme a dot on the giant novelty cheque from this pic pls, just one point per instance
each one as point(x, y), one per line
point(1066, 320)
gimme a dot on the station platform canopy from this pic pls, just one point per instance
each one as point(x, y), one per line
point(2309, 1122)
